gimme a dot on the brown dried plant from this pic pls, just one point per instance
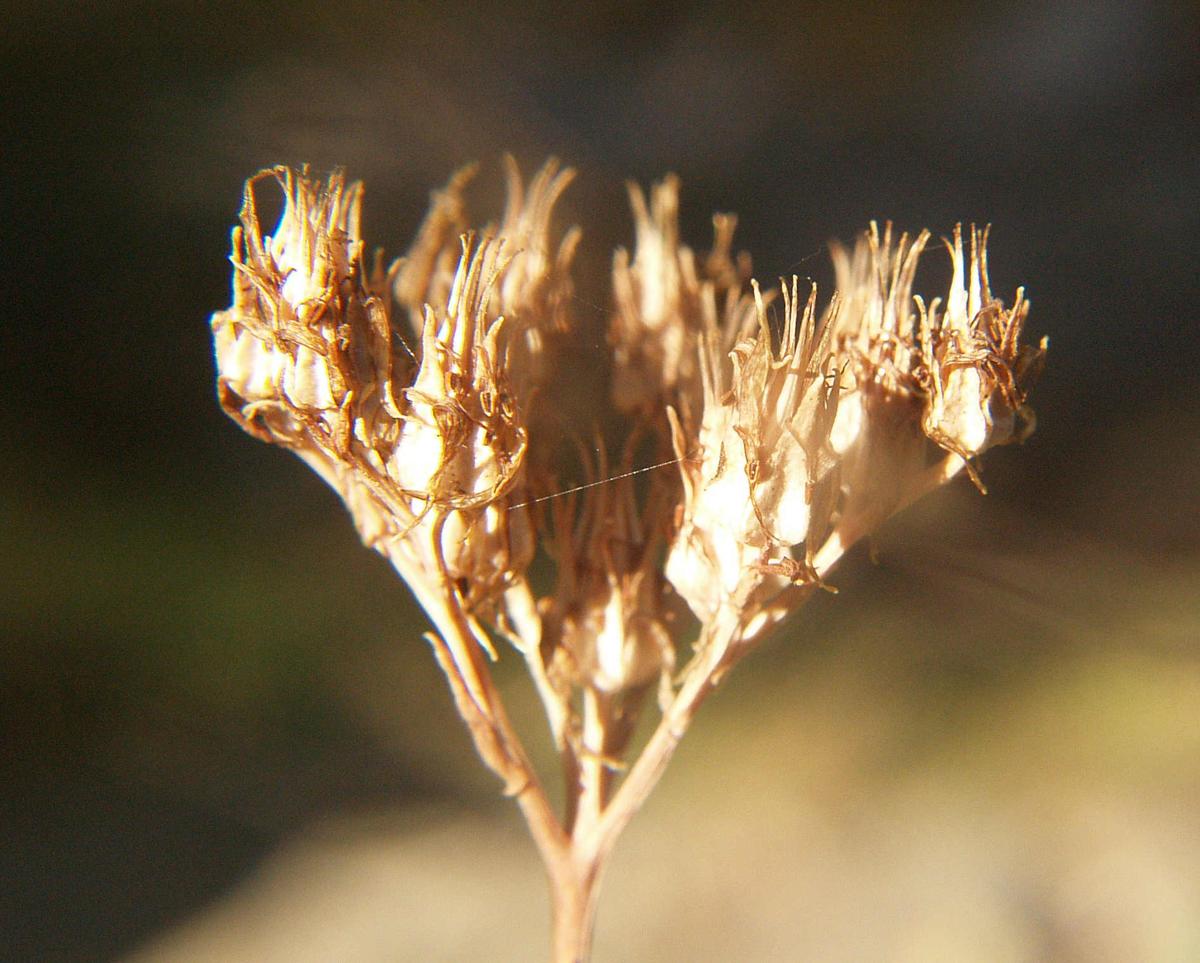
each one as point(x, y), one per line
point(413, 392)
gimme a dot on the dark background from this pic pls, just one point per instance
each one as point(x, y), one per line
point(199, 662)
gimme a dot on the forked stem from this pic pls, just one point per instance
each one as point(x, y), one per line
point(576, 853)
point(576, 894)
point(575, 858)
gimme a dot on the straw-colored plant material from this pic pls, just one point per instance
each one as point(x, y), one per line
point(795, 428)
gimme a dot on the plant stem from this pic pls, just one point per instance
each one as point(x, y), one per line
point(458, 655)
point(701, 679)
point(575, 891)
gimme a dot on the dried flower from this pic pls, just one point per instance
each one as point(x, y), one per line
point(462, 443)
point(533, 291)
point(665, 303)
point(756, 470)
point(975, 365)
point(606, 620)
point(304, 355)
point(305, 359)
point(877, 433)
point(792, 444)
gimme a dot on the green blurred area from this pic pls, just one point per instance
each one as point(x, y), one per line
point(224, 738)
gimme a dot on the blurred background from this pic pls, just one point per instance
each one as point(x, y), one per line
point(223, 738)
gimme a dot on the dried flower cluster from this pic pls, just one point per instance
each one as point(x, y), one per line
point(414, 393)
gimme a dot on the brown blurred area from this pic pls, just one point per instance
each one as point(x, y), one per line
point(223, 739)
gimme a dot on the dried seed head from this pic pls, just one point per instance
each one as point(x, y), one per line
point(537, 284)
point(605, 622)
point(532, 292)
point(877, 433)
point(462, 444)
point(536, 289)
point(658, 302)
point(665, 303)
point(874, 326)
point(757, 473)
point(976, 371)
point(305, 360)
point(304, 354)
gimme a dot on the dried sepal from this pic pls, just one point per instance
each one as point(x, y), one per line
point(728, 271)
